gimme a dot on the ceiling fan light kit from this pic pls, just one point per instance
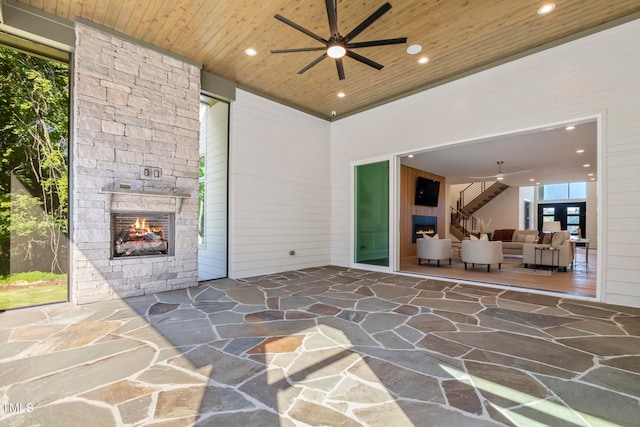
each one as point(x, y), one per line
point(337, 46)
point(336, 51)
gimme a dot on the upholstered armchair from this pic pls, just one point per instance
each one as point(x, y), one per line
point(482, 252)
point(560, 241)
point(435, 249)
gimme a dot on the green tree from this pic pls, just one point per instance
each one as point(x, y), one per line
point(34, 105)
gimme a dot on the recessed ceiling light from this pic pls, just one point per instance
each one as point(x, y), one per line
point(547, 8)
point(580, 151)
point(414, 49)
point(590, 174)
point(423, 60)
point(531, 179)
point(537, 183)
point(586, 165)
point(251, 51)
point(410, 156)
point(341, 95)
point(592, 179)
point(570, 127)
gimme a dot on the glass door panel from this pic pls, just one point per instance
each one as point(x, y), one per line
point(372, 214)
point(34, 180)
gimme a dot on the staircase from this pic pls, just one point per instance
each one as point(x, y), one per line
point(472, 198)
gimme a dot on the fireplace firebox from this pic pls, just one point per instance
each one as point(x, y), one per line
point(142, 234)
point(424, 224)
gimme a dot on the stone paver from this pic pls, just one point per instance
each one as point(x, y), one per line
point(323, 346)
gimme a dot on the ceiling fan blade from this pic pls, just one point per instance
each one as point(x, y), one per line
point(484, 177)
point(370, 20)
point(301, 29)
point(364, 60)
point(500, 175)
point(340, 67)
point(314, 62)
point(398, 40)
point(515, 173)
point(332, 14)
point(301, 49)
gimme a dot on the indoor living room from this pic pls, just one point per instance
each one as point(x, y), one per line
point(579, 280)
point(520, 192)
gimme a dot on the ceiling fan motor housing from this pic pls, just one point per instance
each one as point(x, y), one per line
point(338, 46)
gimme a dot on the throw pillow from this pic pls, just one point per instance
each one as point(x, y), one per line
point(523, 238)
point(484, 237)
point(545, 238)
point(504, 235)
point(435, 236)
point(473, 238)
point(530, 238)
point(425, 236)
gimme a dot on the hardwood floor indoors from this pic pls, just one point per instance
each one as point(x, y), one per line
point(578, 281)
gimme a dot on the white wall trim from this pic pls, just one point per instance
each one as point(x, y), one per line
point(392, 216)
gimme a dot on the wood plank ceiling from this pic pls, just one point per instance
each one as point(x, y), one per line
point(458, 36)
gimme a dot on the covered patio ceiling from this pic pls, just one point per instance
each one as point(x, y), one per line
point(458, 37)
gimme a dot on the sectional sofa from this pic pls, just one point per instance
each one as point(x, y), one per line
point(514, 240)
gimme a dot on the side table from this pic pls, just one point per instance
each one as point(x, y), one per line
point(575, 242)
point(555, 256)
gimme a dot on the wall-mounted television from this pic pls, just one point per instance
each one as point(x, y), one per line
point(427, 191)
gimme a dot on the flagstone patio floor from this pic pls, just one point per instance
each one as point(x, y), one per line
point(323, 346)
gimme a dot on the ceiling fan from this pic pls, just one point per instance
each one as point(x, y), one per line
point(500, 175)
point(337, 46)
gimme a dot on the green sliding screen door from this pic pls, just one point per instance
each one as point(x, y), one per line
point(372, 214)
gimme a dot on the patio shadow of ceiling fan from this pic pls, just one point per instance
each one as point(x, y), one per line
point(500, 175)
point(338, 46)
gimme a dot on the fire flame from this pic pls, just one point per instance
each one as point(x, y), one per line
point(142, 225)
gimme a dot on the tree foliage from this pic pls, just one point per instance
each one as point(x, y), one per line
point(34, 106)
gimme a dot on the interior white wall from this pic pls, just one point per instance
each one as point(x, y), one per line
point(502, 211)
point(595, 75)
point(214, 131)
point(279, 188)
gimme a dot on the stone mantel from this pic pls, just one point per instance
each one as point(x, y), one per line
point(176, 194)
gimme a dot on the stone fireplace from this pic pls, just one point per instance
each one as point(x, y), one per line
point(135, 158)
point(423, 224)
point(142, 234)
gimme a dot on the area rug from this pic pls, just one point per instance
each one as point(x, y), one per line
point(524, 270)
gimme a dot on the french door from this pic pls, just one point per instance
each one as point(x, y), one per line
point(572, 216)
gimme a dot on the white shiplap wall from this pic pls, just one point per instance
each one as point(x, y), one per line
point(214, 130)
point(279, 188)
point(599, 74)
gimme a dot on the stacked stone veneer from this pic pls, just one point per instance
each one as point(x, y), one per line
point(133, 107)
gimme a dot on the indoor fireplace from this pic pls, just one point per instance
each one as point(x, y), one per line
point(423, 224)
point(142, 234)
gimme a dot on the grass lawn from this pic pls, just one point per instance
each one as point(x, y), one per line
point(33, 288)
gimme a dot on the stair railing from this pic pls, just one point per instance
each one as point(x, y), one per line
point(472, 191)
point(463, 221)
